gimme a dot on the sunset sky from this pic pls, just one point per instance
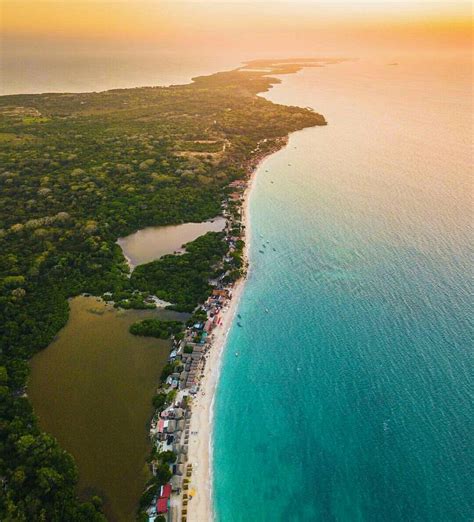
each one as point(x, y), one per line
point(142, 21)
point(128, 42)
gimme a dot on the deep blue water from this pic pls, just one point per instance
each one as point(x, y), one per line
point(351, 400)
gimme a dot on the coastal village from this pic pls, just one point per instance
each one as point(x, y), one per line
point(170, 425)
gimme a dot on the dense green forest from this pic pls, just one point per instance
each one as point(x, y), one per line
point(183, 279)
point(156, 328)
point(77, 171)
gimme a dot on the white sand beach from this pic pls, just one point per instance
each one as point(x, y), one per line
point(200, 507)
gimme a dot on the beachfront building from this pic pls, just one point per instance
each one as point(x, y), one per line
point(170, 428)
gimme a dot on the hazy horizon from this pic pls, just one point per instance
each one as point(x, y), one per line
point(98, 45)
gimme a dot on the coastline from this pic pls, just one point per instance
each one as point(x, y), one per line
point(202, 407)
point(202, 417)
point(223, 108)
point(183, 425)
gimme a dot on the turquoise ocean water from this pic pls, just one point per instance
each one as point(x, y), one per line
point(351, 399)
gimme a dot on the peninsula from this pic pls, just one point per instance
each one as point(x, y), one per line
point(81, 170)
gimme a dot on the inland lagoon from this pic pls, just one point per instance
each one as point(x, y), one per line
point(150, 243)
point(92, 390)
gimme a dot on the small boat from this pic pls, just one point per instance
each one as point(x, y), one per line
point(239, 316)
point(264, 246)
point(267, 310)
point(239, 324)
point(236, 354)
point(262, 251)
point(274, 249)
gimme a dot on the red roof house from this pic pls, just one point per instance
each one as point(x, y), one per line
point(161, 425)
point(162, 505)
point(166, 491)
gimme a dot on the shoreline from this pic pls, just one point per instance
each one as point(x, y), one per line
point(189, 495)
point(184, 428)
point(202, 406)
